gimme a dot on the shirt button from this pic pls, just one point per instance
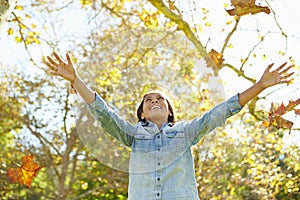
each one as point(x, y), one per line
point(158, 149)
point(158, 164)
point(158, 136)
point(157, 194)
point(158, 179)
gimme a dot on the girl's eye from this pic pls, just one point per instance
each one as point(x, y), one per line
point(147, 100)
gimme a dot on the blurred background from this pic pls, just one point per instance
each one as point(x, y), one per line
point(122, 49)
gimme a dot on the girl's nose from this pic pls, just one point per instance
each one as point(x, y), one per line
point(154, 101)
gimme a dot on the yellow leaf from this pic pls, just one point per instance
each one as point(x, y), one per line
point(19, 7)
point(204, 11)
point(84, 186)
point(297, 167)
point(261, 38)
point(229, 22)
point(260, 167)
point(170, 24)
point(172, 5)
point(277, 147)
point(207, 24)
point(10, 31)
point(292, 60)
point(86, 2)
point(264, 57)
point(281, 52)
point(230, 46)
point(18, 39)
point(249, 171)
point(243, 60)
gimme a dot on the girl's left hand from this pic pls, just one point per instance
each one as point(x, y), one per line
point(278, 76)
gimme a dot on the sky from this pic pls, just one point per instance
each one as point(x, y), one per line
point(288, 17)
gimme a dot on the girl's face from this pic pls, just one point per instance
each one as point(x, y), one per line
point(155, 108)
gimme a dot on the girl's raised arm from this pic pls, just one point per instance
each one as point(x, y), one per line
point(268, 79)
point(67, 71)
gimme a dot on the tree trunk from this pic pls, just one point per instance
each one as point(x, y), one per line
point(6, 8)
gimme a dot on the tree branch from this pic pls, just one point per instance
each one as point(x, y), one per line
point(182, 25)
point(230, 35)
point(239, 73)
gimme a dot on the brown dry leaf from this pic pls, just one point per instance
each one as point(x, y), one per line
point(297, 111)
point(282, 109)
point(25, 173)
point(214, 60)
point(275, 115)
point(244, 7)
point(280, 122)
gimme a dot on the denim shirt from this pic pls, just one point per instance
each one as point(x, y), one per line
point(161, 162)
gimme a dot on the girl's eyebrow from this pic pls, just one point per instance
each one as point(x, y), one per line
point(147, 96)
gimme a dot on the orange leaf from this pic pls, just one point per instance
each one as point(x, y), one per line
point(280, 122)
point(293, 104)
point(297, 111)
point(25, 173)
point(244, 7)
point(214, 60)
point(275, 118)
point(282, 109)
point(265, 123)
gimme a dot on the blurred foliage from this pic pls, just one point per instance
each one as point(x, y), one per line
point(254, 165)
point(245, 160)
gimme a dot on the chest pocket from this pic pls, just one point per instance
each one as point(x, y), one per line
point(142, 143)
point(174, 141)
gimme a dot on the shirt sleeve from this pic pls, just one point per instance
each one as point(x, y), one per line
point(216, 117)
point(111, 122)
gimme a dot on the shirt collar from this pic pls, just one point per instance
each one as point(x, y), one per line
point(147, 123)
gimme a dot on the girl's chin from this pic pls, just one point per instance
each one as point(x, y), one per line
point(157, 115)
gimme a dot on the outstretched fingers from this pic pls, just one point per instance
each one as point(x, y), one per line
point(280, 67)
point(286, 78)
point(269, 67)
point(53, 64)
point(58, 58)
point(286, 70)
point(68, 58)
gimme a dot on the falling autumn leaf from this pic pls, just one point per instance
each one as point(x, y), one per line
point(279, 122)
point(214, 60)
point(244, 7)
point(25, 173)
point(282, 109)
point(275, 115)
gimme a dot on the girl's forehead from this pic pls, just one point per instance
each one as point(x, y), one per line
point(153, 94)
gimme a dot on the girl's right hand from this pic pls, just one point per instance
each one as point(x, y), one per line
point(60, 68)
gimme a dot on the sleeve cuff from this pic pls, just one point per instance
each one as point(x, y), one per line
point(234, 105)
point(98, 104)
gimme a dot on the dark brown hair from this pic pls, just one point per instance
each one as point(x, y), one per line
point(171, 118)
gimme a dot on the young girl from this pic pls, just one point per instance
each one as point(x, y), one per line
point(161, 163)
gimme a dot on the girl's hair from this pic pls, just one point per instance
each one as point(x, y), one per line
point(171, 118)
